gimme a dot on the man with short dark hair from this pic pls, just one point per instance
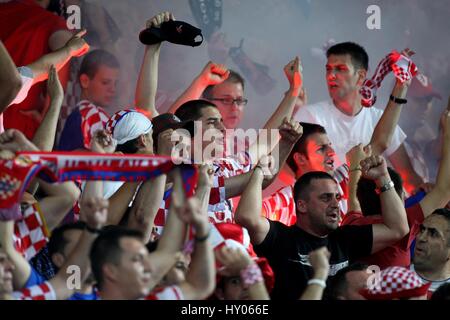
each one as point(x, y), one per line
point(431, 259)
point(232, 172)
point(95, 212)
point(347, 283)
point(219, 85)
point(229, 98)
point(347, 122)
point(98, 78)
point(99, 75)
point(125, 270)
point(366, 209)
point(225, 88)
point(312, 152)
point(317, 205)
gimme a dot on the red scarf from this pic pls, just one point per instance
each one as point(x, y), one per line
point(16, 174)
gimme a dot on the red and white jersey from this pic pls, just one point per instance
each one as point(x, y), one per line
point(93, 118)
point(220, 209)
point(166, 293)
point(280, 206)
point(30, 232)
point(235, 145)
point(43, 291)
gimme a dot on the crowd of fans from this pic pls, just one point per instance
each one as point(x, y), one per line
point(362, 220)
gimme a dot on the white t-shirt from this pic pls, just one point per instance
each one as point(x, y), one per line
point(109, 187)
point(347, 131)
point(27, 81)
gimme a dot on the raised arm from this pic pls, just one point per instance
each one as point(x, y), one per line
point(200, 279)
point(10, 81)
point(59, 199)
point(102, 142)
point(211, 75)
point(147, 84)
point(151, 193)
point(439, 196)
point(385, 128)
point(284, 110)
point(319, 260)
point(74, 47)
point(354, 157)
point(95, 212)
point(248, 212)
point(290, 131)
point(22, 269)
point(395, 222)
point(44, 138)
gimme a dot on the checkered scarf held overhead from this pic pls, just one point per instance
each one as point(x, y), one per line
point(402, 67)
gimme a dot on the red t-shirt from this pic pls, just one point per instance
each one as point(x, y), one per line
point(399, 253)
point(25, 28)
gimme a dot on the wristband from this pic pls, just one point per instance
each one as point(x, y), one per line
point(398, 100)
point(92, 230)
point(319, 282)
point(251, 275)
point(258, 166)
point(204, 238)
point(385, 187)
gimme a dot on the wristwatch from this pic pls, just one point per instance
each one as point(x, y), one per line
point(385, 187)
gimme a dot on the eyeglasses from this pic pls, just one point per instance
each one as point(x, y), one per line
point(231, 101)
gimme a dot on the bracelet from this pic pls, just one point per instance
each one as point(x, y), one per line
point(355, 169)
point(385, 187)
point(319, 282)
point(398, 100)
point(251, 275)
point(92, 230)
point(258, 166)
point(204, 238)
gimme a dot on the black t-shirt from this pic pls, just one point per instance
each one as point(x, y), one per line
point(287, 248)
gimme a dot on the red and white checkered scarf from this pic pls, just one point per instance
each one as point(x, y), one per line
point(402, 66)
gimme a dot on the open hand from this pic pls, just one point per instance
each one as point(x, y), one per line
point(54, 87)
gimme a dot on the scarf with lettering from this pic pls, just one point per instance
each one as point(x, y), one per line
point(16, 174)
point(402, 67)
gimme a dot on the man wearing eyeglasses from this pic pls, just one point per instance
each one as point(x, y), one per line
point(219, 85)
point(229, 99)
point(225, 88)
